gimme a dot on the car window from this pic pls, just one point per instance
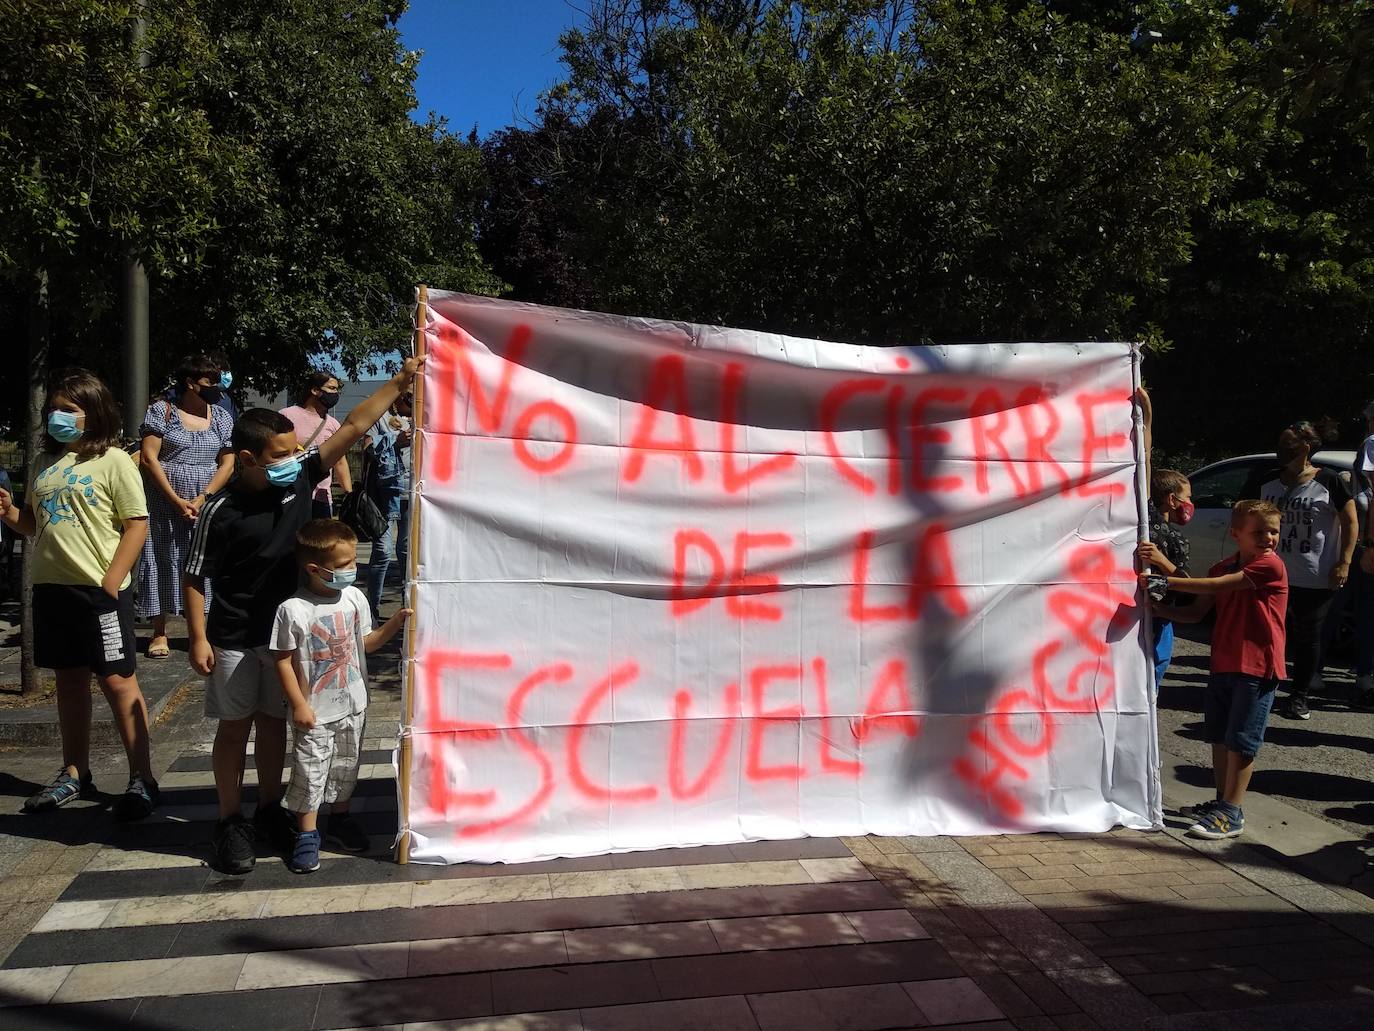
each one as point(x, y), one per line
point(1220, 487)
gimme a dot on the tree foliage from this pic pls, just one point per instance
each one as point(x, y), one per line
point(1190, 173)
point(264, 166)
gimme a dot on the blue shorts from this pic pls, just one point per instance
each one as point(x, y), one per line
point(1236, 711)
point(1164, 649)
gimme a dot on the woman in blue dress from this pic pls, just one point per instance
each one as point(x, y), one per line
point(186, 457)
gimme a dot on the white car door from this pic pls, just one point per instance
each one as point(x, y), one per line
point(1216, 488)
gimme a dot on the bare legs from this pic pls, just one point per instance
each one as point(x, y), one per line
point(230, 755)
point(74, 719)
point(1231, 771)
point(1238, 770)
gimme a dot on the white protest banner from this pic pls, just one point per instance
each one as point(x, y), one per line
point(681, 585)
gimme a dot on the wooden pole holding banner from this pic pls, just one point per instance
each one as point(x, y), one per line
point(417, 455)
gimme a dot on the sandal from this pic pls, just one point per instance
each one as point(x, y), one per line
point(158, 651)
point(61, 791)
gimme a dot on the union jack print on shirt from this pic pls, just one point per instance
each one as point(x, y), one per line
point(333, 652)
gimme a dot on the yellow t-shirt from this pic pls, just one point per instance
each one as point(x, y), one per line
point(80, 508)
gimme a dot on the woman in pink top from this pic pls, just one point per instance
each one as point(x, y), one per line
point(314, 425)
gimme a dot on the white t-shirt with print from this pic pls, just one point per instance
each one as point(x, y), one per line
point(326, 633)
point(1309, 535)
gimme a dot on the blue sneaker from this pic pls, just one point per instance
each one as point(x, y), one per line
point(305, 857)
point(1197, 812)
point(61, 791)
point(1219, 823)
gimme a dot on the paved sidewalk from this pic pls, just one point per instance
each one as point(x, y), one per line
point(102, 925)
point(1125, 929)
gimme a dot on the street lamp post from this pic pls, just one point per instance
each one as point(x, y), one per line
point(135, 341)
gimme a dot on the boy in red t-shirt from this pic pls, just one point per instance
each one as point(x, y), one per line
point(1250, 592)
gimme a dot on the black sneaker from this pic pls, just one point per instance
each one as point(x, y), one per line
point(62, 790)
point(233, 846)
point(1362, 695)
point(344, 832)
point(1297, 708)
point(275, 827)
point(138, 799)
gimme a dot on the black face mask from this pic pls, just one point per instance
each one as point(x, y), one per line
point(329, 400)
point(210, 394)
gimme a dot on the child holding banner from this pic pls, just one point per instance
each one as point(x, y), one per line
point(319, 638)
point(1171, 504)
point(1250, 592)
point(245, 539)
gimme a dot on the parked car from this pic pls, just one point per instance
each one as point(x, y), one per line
point(1216, 489)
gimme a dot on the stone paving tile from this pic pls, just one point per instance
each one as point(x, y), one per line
point(886, 925)
point(32, 985)
point(645, 941)
point(472, 955)
point(554, 1020)
point(868, 1008)
point(951, 1000)
point(449, 997)
point(134, 978)
point(878, 963)
point(1105, 995)
point(1007, 995)
point(1044, 993)
point(722, 1013)
point(747, 973)
point(783, 932)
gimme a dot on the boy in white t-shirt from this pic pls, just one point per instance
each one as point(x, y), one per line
point(319, 638)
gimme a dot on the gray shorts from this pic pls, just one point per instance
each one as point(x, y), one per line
point(244, 682)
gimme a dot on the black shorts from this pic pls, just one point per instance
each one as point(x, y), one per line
point(75, 626)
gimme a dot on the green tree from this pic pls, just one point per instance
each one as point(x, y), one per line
point(264, 165)
point(1190, 173)
point(1279, 294)
point(344, 202)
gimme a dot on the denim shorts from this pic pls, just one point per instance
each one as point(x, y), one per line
point(1236, 711)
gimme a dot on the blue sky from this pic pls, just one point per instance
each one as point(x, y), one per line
point(485, 61)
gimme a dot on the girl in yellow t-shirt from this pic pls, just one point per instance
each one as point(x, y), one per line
point(87, 518)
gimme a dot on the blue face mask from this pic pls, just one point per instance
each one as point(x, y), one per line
point(283, 474)
point(62, 427)
point(226, 380)
point(339, 578)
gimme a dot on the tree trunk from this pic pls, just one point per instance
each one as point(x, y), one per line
point(33, 441)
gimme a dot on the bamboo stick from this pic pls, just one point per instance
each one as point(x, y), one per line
point(417, 453)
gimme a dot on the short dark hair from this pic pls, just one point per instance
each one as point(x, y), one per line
point(316, 381)
point(317, 538)
point(103, 429)
point(194, 366)
point(1243, 510)
point(1164, 482)
point(255, 429)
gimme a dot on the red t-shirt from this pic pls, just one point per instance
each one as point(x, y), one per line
point(1248, 637)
